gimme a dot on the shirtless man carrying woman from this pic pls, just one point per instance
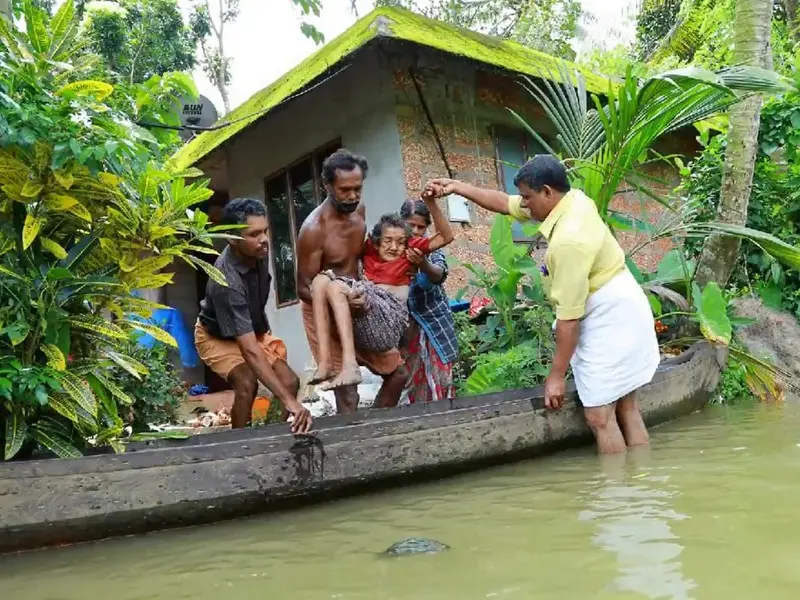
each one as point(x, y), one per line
point(332, 238)
point(387, 271)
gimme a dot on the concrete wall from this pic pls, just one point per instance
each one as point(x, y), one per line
point(358, 107)
point(373, 107)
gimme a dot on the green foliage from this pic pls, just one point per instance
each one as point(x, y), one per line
point(514, 333)
point(733, 385)
point(87, 216)
point(138, 39)
point(607, 145)
point(774, 203)
point(672, 33)
point(654, 21)
point(468, 336)
point(548, 26)
point(156, 397)
point(309, 7)
point(615, 62)
point(521, 367)
point(513, 269)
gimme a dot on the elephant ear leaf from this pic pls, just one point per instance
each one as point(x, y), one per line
point(712, 310)
point(482, 380)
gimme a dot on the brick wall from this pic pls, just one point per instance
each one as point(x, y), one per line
point(466, 104)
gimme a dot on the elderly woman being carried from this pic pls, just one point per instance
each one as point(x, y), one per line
point(387, 271)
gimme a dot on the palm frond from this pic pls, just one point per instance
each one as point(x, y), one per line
point(606, 144)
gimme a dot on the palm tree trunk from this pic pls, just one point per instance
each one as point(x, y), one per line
point(752, 26)
point(790, 6)
point(5, 9)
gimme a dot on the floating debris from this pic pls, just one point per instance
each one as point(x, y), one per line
point(415, 546)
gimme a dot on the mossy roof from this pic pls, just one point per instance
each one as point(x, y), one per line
point(392, 23)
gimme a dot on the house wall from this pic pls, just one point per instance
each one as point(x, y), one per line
point(374, 109)
point(357, 106)
point(466, 103)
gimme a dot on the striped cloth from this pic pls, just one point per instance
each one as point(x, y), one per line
point(430, 308)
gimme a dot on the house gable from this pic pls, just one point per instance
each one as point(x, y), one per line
point(382, 23)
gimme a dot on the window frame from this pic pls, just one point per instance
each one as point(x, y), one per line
point(314, 157)
point(501, 130)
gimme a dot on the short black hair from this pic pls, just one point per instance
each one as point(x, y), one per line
point(342, 160)
point(415, 207)
point(237, 210)
point(541, 170)
point(388, 220)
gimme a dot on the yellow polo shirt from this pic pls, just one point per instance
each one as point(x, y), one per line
point(582, 254)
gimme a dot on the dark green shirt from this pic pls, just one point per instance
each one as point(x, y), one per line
point(228, 312)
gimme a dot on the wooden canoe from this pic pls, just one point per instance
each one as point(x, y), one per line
point(217, 476)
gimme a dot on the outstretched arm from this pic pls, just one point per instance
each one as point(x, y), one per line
point(491, 200)
point(444, 232)
point(254, 355)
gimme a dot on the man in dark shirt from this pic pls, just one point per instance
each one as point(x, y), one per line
point(232, 333)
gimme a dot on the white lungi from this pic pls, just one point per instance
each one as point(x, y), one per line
point(617, 350)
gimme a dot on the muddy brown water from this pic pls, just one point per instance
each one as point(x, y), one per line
point(709, 512)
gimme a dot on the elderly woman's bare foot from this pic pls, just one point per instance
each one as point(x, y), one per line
point(323, 373)
point(349, 375)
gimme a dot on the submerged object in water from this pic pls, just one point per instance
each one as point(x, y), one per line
point(415, 546)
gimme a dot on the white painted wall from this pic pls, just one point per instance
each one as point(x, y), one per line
point(357, 106)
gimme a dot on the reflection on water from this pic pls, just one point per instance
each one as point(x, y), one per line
point(631, 509)
point(710, 512)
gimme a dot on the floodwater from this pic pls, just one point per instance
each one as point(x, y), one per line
point(711, 511)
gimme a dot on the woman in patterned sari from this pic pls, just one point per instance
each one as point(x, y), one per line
point(433, 346)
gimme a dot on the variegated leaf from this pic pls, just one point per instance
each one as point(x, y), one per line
point(100, 90)
point(212, 271)
point(30, 230)
point(150, 282)
point(131, 365)
point(64, 179)
point(114, 389)
point(154, 332)
point(42, 154)
point(80, 391)
point(55, 358)
point(10, 273)
point(109, 179)
point(59, 201)
point(53, 248)
point(56, 444)
point(16, 432)
point(32, 189)
point(80, 211)
point(98, 326)
point(63, 405)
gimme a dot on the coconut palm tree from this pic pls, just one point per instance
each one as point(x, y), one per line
point(751, 45)
point(606, 142)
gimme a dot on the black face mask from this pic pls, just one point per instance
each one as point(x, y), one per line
point(344, 207)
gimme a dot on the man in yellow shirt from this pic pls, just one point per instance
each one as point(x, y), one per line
point(604, 326)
